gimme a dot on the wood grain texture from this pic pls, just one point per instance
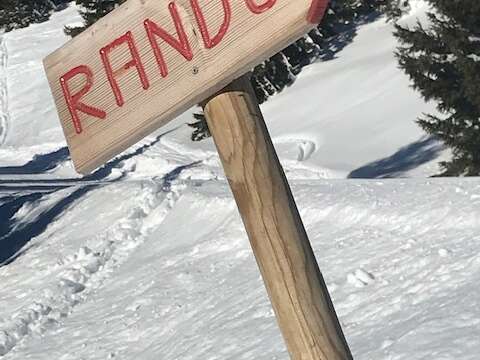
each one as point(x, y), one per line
point(293, 280)
point(250, 39)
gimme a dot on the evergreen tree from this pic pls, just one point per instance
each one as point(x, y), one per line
point(262, 86)
point(443, 61)
point(201, 130)
point(394, 8)
point(15, 14)
point(279, 72)
point(91, 11)
point(301, 53)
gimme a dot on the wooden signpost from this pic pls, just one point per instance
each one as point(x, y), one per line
point(150, 60)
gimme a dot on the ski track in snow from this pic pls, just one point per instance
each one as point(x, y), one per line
point(406, 262)
point(4, 114)
point(306, 148)
point(296, 151)
point(84, 271)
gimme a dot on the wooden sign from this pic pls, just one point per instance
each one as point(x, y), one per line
point(150, 60)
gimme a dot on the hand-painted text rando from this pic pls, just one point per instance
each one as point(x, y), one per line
point(153, 32)
point(148, 61)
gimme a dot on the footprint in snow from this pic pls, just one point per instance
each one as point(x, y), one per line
point(305, 150)
point(360, 278)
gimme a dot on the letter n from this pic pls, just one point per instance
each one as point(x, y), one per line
point(181, 45)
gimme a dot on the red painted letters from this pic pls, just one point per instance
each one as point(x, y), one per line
point(182, 45)
point(258, 9)
point(317, 10)
point(136, 61)
point(153, 32)
point(73, 101)
point(207, 39)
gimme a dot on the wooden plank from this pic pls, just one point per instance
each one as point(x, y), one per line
point(254, 31)
point(293, 280)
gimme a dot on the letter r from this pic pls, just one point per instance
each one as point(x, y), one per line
point(73, 100)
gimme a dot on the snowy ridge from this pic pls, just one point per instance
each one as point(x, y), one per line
point(4, 114)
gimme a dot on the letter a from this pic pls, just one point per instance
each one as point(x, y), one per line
point(135, 62)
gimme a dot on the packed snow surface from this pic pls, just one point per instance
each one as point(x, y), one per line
point(168, 273)
point(147, 258)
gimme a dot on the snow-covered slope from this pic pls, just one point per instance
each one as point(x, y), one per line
point(353, 115)
point(170, 275)
point(147, 257)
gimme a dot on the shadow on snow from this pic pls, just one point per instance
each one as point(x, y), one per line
point(346, 35)
point(14, 236)
point(39, 164)
point(405, 159)
point(14, 239)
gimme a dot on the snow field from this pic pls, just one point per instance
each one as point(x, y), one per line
point(147, 258)
point(400, 269)
point(69, 280)
point(344, 108)
point(4, 116)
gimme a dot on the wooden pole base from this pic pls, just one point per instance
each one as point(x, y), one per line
point(283, 252)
